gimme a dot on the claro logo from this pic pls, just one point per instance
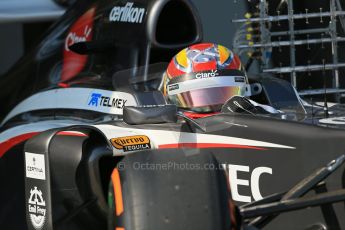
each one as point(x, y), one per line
point(127, 13)
point(236, 172)
point(73, 37)
point(213, 73)
point(80, 31)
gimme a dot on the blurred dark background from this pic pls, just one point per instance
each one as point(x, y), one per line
point(18, 38)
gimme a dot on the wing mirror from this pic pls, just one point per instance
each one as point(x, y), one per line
point(150, 114)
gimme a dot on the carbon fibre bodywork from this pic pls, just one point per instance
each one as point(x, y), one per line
point(78, 164)
point(63, 132)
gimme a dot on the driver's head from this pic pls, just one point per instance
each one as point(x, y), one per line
point(202, 77)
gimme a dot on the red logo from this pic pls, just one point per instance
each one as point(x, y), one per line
point(81, 31)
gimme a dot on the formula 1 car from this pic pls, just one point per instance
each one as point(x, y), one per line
point(88, 142)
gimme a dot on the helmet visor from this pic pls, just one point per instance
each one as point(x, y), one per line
point(206, 94)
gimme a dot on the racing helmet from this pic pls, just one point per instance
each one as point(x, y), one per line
point(202, 77)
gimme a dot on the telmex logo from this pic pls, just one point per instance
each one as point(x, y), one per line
point(98, 99)
point(131, 143)
point(213, 73)
point(127, 13)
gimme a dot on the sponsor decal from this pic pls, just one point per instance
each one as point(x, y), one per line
point(81, 31)
point(127, 13)
point(213, 73)
point(173, 87)
point(73, 37)
point(237, 173)
point(35, 166)
point(98, 100)
point(239, 79)
point(131, 143)
point(37, 208)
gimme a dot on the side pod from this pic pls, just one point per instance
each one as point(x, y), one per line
point(63, 184)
